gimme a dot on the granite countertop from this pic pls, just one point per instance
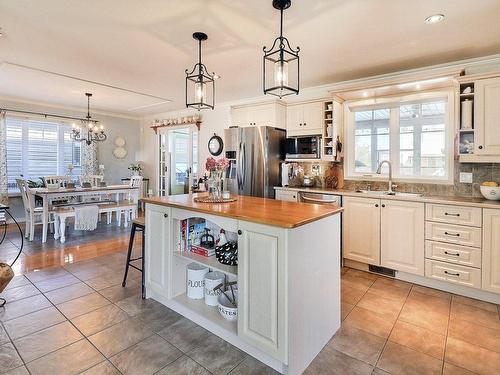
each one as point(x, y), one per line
point(457, 200)
point(254, 209)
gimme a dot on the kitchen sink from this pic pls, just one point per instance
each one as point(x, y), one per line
point(395, 194)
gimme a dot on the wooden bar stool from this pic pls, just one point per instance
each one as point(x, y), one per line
point(138, 224)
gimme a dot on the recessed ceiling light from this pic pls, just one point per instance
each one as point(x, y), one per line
point(435, 18)
point(1, 32)
point(418, 86)
point(365, 94)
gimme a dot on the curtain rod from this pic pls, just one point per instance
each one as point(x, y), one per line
point(46, 114)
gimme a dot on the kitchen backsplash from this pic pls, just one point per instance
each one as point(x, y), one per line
point(480, 173)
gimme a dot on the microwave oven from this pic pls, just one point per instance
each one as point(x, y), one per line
point(303, 148)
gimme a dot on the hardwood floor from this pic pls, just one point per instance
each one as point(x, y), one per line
point(80, 245)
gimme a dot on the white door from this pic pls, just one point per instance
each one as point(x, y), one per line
point(402, 236)
point(487, 116)
point(156, 260)
point(178, 164)
point(491, 251)
point(361, 223)
point(262, 311)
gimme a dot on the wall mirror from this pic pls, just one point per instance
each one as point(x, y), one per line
point(215, 145)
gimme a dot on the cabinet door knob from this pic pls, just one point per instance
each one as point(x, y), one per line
point(240, 232)
point(480, 147)
point(376, 205)
point(165, 215)
point(383, 205)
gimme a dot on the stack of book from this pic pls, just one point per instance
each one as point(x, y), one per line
point(202, 251)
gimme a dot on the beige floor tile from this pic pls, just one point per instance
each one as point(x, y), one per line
point(9, 359)
point(18, 371)
point(46, 274)
point(356, 280)
point(350, 295)
point(425, 318)
point(425, 302)
point(34, 322)
point(184, 334)
point(471, 357)
point(398, 359)
point(476, 303)
point(71, 359)
point(369, 321)
point(56, 283)
point(476, 334)
point(251, 366)
point(99, 319)
point(358, 344)
point(146, 357)
point(45, 341)
point(430, 292)
point(420, 339)
point(391, 289)
point(475, 315)
point(79, 306)
point(103, 368)
point(183, 366)
point(449, 369)
point(384, 306)
point(332, 362)
point(23, 307)
point(68, 293)
point(20, 292)
point(345, 309)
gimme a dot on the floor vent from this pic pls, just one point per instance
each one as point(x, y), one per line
point(382, 270)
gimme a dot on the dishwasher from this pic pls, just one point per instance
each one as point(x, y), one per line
point(325, 198)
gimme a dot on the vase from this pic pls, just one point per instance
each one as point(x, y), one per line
point(215, 185)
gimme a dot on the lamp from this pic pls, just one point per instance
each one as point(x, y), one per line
point(90, 131)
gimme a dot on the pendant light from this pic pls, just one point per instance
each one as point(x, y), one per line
point(200, 85)
point(90, 131)
point(281, 62)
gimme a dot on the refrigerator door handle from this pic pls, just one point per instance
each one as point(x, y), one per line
point(244, 162)
point(239, 166)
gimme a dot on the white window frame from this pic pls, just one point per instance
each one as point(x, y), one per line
point(395, 102)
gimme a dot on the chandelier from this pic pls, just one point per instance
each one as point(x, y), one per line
point(281, 62)
point(89, 131)
point(200, 85)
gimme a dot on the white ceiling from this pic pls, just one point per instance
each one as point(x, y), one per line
point(145, 46)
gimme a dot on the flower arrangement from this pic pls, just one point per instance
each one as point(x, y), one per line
point(135, 168)
point(216, 167)
point(219, 165)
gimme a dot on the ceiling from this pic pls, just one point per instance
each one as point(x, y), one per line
point(145, 46)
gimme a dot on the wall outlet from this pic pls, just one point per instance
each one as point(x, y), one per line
point(465, 178)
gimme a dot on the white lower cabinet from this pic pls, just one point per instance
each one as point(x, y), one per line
point(262, 282)
point(361, 223)
point(402, 236)
point(491, 250)
point(284, 195)
point(158, 222)
point(465, 276)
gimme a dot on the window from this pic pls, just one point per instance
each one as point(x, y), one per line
point(414, 133)
point(37, 148)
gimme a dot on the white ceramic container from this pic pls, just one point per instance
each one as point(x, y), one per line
point(226, 309)
point(491, 192)
point(196, 280)
point(212, 279)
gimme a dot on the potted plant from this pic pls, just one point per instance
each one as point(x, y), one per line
point(136, 169)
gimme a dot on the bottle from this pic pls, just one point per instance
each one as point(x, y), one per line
point(222, 238)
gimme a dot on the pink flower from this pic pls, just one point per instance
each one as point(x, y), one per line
point(222, 164)
point(210, 164)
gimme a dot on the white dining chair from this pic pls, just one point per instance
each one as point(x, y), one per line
point(62, 181)
point(33, 215)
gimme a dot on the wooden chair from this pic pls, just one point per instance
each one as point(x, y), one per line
point(136, 182)
point(139, 225)
point(33, 215)
point(94, 180)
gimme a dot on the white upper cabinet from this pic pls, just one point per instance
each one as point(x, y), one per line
point(361, 224)
point(263, 114)
point(487, 116)
point(402, 236)
point(304, 119)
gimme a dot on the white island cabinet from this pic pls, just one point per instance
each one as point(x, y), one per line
point(288, 274)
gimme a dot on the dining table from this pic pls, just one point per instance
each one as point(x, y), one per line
point(48, 195)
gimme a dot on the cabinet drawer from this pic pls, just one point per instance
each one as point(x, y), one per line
point(453, 273)
point(284, 195)
point(454, 214)
point(457, 234)
point(465, 256)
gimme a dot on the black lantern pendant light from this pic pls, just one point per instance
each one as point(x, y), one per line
point(200, 85)
point(90, 131)
point(281, 62)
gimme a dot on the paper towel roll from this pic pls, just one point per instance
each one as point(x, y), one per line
point(466, 114)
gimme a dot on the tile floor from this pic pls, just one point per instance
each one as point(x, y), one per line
point(77, 319)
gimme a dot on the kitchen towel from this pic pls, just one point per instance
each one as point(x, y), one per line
point(86, 217)
point(467, 114)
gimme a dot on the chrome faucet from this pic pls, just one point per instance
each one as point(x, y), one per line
point(379, 171)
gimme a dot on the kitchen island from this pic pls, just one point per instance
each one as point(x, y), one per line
point(288, 273)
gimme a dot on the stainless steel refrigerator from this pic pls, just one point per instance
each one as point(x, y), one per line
point(255, 154)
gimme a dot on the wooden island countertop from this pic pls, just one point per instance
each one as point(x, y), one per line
point(258, 210)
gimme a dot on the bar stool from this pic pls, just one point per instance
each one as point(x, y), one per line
point(138, 224)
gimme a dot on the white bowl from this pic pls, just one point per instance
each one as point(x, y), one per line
point(226, 309)
point(490, 192)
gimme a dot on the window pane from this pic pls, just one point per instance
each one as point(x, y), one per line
point(371, 138)
point(14, 153)
point(423, 139)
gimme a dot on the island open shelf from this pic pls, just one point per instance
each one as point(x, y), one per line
point(210, 262)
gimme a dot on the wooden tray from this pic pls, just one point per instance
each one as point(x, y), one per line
point(207, 199)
